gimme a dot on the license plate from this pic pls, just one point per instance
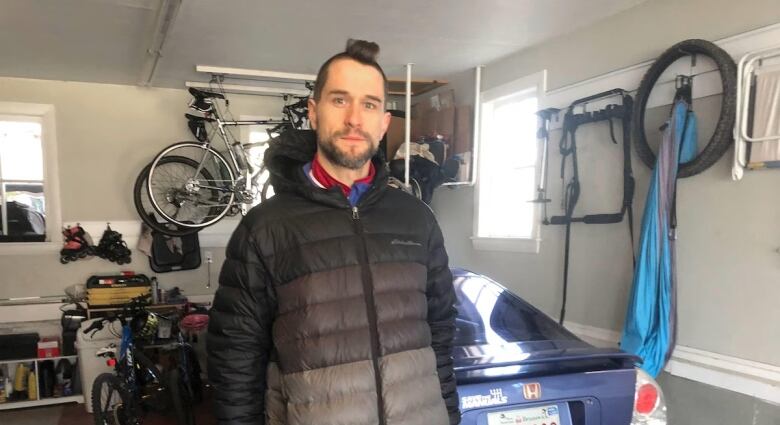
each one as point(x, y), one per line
point(544, 415)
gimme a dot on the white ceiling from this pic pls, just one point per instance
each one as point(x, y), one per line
point(105, 40)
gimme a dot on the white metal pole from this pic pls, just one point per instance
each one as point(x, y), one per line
point(408, 123)
point(3, 205)
point(3, 208)
point(477, 122)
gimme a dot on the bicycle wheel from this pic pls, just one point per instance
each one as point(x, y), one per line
point(722, 136)
point(111, 402)
point(187, 196)
point(145, 209)
point(264, 181)
point(181, 398)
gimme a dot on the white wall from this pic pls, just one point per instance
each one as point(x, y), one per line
point(728, 267)
point(105, 135)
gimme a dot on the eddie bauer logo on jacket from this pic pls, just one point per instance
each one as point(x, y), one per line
point(406, 243)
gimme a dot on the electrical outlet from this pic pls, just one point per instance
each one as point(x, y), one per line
point(209, 258)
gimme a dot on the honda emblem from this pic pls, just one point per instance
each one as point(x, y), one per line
point(532, 391)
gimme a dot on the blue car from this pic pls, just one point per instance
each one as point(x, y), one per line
point(515, 365)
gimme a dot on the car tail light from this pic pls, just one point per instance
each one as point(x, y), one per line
point(649, 404)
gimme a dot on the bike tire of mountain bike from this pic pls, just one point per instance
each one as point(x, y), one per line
point(722, 137)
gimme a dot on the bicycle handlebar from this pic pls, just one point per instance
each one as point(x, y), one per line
point(132, 307)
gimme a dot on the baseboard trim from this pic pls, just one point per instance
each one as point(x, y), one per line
point(756, 379)
point(606, 336)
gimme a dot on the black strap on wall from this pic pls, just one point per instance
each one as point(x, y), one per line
point(568, 148)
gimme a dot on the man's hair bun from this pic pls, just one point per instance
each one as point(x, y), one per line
point(362, 50)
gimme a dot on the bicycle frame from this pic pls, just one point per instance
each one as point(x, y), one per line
point(236, 150)
point(233, 182)
point(125, 366)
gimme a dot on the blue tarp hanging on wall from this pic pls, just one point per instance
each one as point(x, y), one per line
point(650, 326)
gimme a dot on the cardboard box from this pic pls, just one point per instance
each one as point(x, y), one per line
point(395, 136)
point(464, 117)
point(48, 347)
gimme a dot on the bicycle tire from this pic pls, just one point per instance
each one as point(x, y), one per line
point(224, 173)
point(120, 413)
point(180, 398)
point(266, 187)
point(722, 137)
point(193, 371)
point(148, 214)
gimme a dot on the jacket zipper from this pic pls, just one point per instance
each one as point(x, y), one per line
point(373, 330)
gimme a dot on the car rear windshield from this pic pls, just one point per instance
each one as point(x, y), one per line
point(489, 314)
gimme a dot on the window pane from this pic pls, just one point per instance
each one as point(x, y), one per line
point(259, 134)
point(508, 168)
point(21, 154)
point(26, 213)
point(514, 132)
point(29, 194)
point(256, 153)
point(504, 207)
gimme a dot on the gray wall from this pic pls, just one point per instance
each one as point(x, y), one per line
point(105, 135)
point(632, 37)
point(728, 267)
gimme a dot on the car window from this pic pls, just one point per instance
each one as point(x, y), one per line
point(488, 314)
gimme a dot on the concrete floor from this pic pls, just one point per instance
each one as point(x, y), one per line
point(47, 415)
point(689, 403)
point(692, 403)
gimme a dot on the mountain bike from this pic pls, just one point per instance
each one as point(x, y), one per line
point(722, 136)
point(137, 386)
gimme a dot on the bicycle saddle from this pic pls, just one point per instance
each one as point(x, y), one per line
point(198, 119)
point(201, 94)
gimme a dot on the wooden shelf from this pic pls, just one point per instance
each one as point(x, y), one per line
point(398, 87)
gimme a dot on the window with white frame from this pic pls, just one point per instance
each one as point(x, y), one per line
point(505, 217)
point(30, 218)
point(22, 198)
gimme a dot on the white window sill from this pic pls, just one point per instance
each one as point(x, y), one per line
point(29, 248)
point(528, 246)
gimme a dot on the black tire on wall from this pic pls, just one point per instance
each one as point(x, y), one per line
point(144, 208)
point(722, 137)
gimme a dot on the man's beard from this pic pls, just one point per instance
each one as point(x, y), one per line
point(342, 158)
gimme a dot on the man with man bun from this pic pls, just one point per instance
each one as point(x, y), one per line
point(336, 303)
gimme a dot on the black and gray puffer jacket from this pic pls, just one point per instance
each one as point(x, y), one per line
point(329, 314)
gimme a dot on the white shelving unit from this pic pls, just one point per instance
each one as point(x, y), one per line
point(78, 398)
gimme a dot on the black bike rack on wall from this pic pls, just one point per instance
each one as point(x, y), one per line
point(568, 148)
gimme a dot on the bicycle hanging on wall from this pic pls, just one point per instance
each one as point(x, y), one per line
point(191, 185)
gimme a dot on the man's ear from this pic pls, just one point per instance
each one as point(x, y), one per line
point(312, 111)
point(385, 123)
